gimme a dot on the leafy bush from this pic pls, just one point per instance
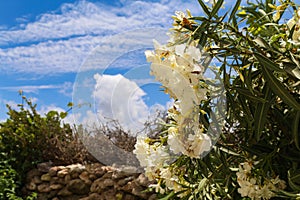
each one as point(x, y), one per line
point(27, 138)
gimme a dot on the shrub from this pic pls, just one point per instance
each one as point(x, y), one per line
point(27, 138)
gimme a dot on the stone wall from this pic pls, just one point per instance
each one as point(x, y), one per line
point(86, 182)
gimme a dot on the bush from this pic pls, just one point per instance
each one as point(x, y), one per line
point(27, 138)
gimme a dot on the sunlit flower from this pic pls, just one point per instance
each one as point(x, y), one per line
point(250, 187)
point(295, 22)
point(142, 150)
point(157, 187)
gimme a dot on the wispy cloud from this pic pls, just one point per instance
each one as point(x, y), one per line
point(63, 88)
point(58, 42)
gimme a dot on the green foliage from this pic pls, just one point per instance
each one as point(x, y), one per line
point(8, 178)
point(27, 138)
point(260, 70)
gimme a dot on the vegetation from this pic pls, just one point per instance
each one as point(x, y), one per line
point(27, 138)
point(255, 47)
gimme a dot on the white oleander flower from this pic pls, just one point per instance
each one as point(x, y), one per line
point(174, 141)
point(158, 155)
point(142, 150)
point(193, 145)
point(254, 189)
point(295, 21)
point(197, 144)
point(158, 188)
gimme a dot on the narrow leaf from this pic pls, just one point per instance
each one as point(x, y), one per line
point(216, 7)
point(168, 196)
point(204, 7)
point(234, 10)
point(250, 96)
point(266, 62)
point(260, 114)
point(291, 183)
point(296, 130)
point(275, 85)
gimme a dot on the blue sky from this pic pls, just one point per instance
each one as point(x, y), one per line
point(52, 50)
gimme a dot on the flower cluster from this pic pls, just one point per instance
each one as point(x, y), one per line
point(177, 67)
point(255, 65)
point(252, 186)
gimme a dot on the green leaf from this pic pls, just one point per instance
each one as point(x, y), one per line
point(234, 10)
point(261, 112)
point(266, 62)
point(204, 7)
point(250, 95)
point(52, 113)
point(295, 130)
point(216, 7)
point(168, 196)
point(198, 18)
point(226, 150)
point(63, 115)
point(274, 83)
point(292, 69)
point(293, 185)
point(70, 104)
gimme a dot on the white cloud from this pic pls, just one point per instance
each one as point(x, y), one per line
point(63, 88)
point(119, 98)
point(115, 97)
point(59, 42)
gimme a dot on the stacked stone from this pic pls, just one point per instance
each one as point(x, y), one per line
point(89, 182)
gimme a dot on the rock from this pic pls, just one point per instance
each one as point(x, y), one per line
point(56, 186)
point(44, 167)
point(128, 187)
point(74, 174)
point(62, 173)
point(96, 170)
point(93, 182)
point(139, 191)
point(85, 177)
point(77, 168)
point(64, 192)
point(44, 188)
point(53, 171)
point(32, 173)
point(99, 185)
point(109, 194)
point(78, 186)
point(142, 180)
point(51, 194)
point(135, 189)
point(93, 196)
point(129, 197)
point(93, 177)
point(46, 177)
point(107, 175)
point(67, 178)
point(124, 181)
point(36, 180)
point(118, 175)
point(31, 186)
point(57, 180)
